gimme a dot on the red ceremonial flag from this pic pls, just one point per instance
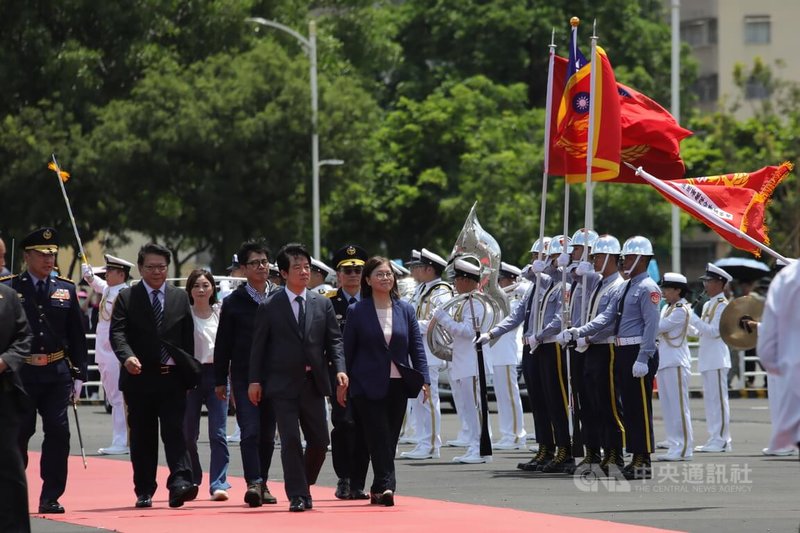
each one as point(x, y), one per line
point(739, 199)
point(557, 167)
point(573, 124)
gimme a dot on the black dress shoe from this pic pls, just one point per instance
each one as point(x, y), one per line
point(387, 498)
point(342, 489)
point(51, 507)
point(181, 495)
point(266, 495)
point(307, 502)
point(296, 504)
point(145, 500)
point(359, 495)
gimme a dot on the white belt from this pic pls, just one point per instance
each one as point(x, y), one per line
point(627, 341)
point(607, 340)
point(548, 340)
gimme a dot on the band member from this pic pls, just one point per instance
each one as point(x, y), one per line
point(319, 273)
point(714, 361)
point(117, 273)
point(58, 354)
point(674, 368)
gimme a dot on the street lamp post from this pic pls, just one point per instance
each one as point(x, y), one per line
point(310, 45)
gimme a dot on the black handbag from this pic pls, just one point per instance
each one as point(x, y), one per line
point(413, 380)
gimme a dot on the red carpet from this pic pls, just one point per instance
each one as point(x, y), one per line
point(102, 497)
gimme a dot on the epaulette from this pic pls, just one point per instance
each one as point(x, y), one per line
point(720, 299)
point(678, 305)
point(331, 293)
point(65, 279)
point(9, 277)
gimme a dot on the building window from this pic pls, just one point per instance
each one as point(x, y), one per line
point(755, 90)
point(757, 29)
point(706, 88)
point(700, 32)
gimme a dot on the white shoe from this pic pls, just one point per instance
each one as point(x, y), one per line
point(219, 495)
point(420, 454)
point(782, 452)
point(235, 438)
point(473, 459)
point(407, 440)
point(457, 443)
point(509, 445)
point(714, 448)
point(662, 445)
point(672, 457)
point(114, 450)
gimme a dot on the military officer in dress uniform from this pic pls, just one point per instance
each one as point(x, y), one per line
point(58, 354)
point(636, 357)
point(319, 273)
point(714, 361)
point(348, 444)
point(674, 368)
point(117, 272)
point(432, 292)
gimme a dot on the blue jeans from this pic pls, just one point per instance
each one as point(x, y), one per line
point(217, 417)
point(248, 417)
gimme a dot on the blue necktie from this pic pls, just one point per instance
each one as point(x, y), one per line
point(158, 313)
point(301, 315)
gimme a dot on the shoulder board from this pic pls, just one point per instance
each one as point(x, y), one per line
point(678, 305)
point(331, 293)
point(65, 279)
point(8, 278)
point(720, 299)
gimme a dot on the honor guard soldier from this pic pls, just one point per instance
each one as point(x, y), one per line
point(674, 368)
point(348, 446)
point(56, 368)
point(506, 357)
point(432, 292)
point(319, 273)
point(117, 273)
point(527, 314)
point(636, 358)
point(714, 361)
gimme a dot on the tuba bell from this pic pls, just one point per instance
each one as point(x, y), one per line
point(475, 242)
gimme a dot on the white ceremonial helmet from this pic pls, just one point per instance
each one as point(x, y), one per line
point(606, 244)
point(637, 245)
point(579, 238)
point(537, 246)
point(559, 244)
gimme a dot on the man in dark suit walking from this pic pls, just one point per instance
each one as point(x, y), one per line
point(152, 334)
point(296, 336)
point(15, 346)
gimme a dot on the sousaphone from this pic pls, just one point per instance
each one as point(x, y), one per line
point(732, 328)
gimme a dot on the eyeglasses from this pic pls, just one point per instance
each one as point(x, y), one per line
point(383, 275)
point(255, 263)
point(155, 268)
point(352, 270)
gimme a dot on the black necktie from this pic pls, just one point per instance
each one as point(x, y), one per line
point(158, 313)
point(621, 308)
point(40, 291)
point(352, 300)
point(301, 314)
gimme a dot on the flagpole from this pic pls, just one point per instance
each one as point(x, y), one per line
point(709, 215)
point(69, 209)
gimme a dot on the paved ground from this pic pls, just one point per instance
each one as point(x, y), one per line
point(737, 491)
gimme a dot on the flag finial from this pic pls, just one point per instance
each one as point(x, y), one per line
point(574, 22)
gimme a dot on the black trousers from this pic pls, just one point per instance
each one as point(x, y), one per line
point(553, 378)
point(348, 445)
point(581, 423)
point(266, 436)
point(306, 411)
point(603, 405)
point(50, 400)
point(158, 404)
point(637, 399)
point(382, 421)
point(541, 420)
point(13, 484)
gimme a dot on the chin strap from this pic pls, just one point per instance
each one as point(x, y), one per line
point(633, 266)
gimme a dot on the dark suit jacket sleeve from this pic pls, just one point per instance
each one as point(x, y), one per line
point(222, 346)
point(261, 333)
point(415, 347)
point(333, 338)
point(119, 325)
point(19, 333)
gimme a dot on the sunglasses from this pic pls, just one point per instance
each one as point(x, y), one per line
point(352, 270)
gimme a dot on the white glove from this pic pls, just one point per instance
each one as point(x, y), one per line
point(584, 268)
point(528, 273)
point(86, 271)
point(639, 369)
point(77, 386)
point(568, 335)
point(538, 266)
point(483, 339)
point(440, 314)
point(532, 342)
point(563, 259)
point(581, 345)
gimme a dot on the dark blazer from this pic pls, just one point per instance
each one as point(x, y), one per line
point(279, 354)
point(367, 354)
point(15, 337)
point(134, 333)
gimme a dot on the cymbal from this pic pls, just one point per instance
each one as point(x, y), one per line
point(734, 335)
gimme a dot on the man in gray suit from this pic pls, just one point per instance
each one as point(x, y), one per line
point(15, 346)
point(296, 336)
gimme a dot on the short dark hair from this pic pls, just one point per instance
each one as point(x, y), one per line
point(251, 247)
point(192, 279)
point(155, 249)
point(293, 249)
point(371, 264)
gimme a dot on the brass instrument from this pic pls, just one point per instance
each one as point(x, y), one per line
point(732, 327)
point(475, 242)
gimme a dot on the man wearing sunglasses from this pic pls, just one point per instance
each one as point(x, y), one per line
point(348, 446)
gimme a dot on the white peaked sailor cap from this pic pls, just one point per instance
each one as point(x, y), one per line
point(509, 271)
point(398, 269)
point(426, 257)
point(414, 261)
point(715, 272)
point(116, 262)
point(464, 268)
point(674, 280)
point(322, 268)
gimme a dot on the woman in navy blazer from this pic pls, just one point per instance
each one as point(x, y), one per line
point(381, 340)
